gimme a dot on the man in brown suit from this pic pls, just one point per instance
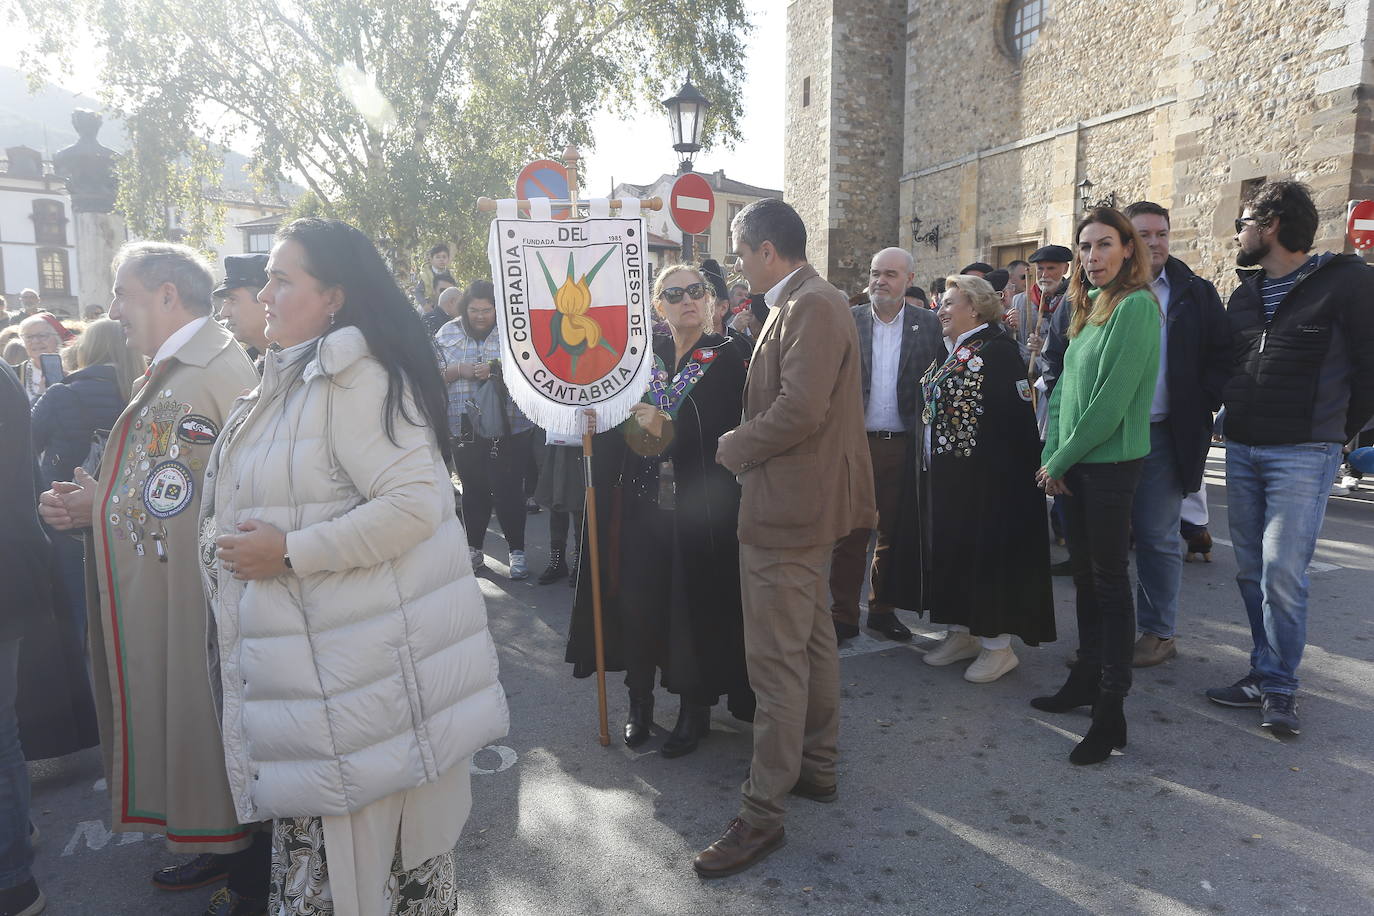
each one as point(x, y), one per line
point(802, 459)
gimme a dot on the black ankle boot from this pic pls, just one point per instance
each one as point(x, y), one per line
point(693, 724)
point(556, 569)
point(640, 719)
point(1108, 731)
point(1079, 690)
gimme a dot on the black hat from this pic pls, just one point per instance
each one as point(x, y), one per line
point(1052, 253)
point(999, 279)
point(710, 269)
point(243, 270)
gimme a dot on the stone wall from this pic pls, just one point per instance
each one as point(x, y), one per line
point(807, 144)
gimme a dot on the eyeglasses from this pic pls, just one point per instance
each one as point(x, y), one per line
point(673, 294)
point(1244, 221)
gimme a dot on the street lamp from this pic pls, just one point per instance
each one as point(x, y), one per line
point(1085, 193)
point(687, 116)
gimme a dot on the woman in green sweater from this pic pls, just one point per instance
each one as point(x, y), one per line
point(1097, 438)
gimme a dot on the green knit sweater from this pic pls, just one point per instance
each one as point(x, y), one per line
point(1100, 409)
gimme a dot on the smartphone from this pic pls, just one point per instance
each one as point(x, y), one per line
point(52, 368)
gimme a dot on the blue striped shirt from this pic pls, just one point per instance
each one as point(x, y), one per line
point(1273, 291)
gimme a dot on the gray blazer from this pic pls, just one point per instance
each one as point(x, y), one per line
point(922, 343)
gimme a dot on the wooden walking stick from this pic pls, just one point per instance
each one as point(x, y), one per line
point(570, 158)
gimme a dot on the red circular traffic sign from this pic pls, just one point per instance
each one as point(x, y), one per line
point(544, 178)
point(1360, 226)
point(692, 203)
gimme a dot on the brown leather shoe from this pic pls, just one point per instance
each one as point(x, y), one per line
point(1151, 650)
point(814, 792)
point(738, 848)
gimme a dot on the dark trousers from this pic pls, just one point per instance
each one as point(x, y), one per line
point(1098, 527)
point(250, 870)
point(493, 476)
point(559, 524)
point(888, 457)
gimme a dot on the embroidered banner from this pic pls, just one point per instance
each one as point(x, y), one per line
point(572, 308)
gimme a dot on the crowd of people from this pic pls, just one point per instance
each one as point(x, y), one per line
point(256, 479)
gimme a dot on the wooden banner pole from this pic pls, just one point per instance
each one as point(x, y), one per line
point(570, 159)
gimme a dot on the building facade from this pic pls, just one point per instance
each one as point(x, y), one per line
point(731, 197)
point(1014, 114)
point(37, 237)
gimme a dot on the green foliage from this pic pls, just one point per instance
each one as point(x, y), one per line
point(466, 91)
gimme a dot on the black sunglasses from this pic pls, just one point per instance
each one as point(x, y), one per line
point(673, 294)
point(1243, 221)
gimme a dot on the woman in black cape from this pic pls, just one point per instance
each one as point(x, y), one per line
point(669, 551)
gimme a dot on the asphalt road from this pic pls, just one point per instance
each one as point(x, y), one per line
point(955, 798)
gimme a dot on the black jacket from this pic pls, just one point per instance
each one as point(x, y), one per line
point(1307, 374)
point(1197, 365)
point(66, 415)
point(27, 594)
point(922, 343)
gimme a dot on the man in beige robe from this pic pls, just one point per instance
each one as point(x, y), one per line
point(163, 758)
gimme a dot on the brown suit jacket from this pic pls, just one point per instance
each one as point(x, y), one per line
point(801, 452)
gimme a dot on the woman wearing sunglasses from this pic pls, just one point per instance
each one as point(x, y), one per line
point(671, 575)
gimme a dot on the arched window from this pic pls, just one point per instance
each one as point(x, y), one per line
point(1023, 21)
point(49, 222)
point(53, 276)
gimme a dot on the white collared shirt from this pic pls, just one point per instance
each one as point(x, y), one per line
point(771, 297)
point(178, 340)
point(882, 414)
point(1159, 407)
point(950, 347)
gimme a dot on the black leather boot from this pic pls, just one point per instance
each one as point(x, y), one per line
point(1108, 730)
point(556, 569)
point(640, 719)
point(693, 724)
point(1079, 690)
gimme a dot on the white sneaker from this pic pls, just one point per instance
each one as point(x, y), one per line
point(1340, 488)
point(954, 647)
point(990, 665)
point(477, 559)
point(518, 569)
point(1350, 483)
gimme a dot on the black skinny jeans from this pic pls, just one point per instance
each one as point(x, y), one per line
point(1098, 529)
point(497, 482)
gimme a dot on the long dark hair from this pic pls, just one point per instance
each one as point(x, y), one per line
point(336, 254)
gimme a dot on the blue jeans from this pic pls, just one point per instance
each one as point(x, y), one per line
point(16, 853)
point(1277, 499)
point(1158, 547)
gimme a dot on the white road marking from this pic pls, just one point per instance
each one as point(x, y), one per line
point(97, 836)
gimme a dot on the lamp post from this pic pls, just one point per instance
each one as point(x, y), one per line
point(686, 117)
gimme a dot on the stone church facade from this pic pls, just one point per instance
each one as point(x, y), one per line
point(966, 131)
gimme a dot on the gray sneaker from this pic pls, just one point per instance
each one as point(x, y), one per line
point(1280, 712)
point(518, 569)
point(1244, 693)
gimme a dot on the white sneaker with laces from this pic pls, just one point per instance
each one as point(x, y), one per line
point(518, 569)
point(955, 647)
point(990, 665)
point(1350, 483)
point(1339, 488)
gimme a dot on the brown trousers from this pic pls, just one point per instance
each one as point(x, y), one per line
point(851, 551)
point(794, 668)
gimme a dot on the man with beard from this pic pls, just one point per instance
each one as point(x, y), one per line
point(897, 342)
point(1302, 329)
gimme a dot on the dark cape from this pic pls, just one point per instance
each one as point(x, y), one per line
point(988, 544)
point(670, 579)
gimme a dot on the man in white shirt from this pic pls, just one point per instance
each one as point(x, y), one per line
point(897, 342)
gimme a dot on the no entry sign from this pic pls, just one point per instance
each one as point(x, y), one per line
point(544, 178)
point(1360, 225)
point(692, 204)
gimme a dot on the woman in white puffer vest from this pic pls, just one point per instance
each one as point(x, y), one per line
point(349, 640)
